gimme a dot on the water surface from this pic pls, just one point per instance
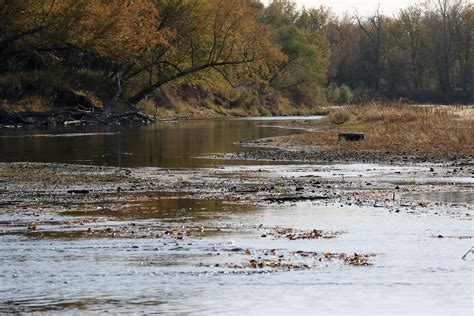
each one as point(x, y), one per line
point(65, 268)
point(171, 145)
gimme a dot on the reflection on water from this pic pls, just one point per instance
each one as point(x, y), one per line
point(174, 209)
point(164, 145)
point(163, 275)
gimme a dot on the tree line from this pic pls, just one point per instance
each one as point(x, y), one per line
point(114, 51)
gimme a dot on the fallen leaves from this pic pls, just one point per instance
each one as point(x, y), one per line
point(297, 234)
point(354, 260)
point(282, 260)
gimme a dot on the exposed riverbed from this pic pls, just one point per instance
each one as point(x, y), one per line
point(172, 220)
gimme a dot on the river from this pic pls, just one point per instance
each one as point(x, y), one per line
point(65, 270)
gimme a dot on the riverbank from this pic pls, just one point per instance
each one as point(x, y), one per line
point(394, 133)
point(169, 104)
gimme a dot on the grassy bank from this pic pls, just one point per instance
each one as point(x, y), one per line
point(431, 131)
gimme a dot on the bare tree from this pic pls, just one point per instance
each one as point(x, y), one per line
point(372, 27)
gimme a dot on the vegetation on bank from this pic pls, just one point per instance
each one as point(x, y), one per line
point(228, 57)
point(401, 129)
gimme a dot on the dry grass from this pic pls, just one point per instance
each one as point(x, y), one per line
point(398, 128)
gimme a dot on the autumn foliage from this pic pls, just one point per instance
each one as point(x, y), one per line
point(122, 52)
point(142, 44)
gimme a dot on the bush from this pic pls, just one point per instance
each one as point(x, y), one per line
point(333, 93)
point(247, 99)
point(339, 117)
point(346, 94)
point(264, 112)
point(208, 104)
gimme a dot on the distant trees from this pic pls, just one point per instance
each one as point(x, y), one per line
point(424, 53)
point(373, 29)
point(123, 51)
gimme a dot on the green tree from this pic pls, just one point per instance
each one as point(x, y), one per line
point(306, 47)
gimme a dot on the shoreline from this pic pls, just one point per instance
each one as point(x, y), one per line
point(25, 184)
point(278, 149)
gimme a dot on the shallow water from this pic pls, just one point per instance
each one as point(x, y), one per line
point(413, 272)
point(443, 197)
point(170, 145)
point(95, 260)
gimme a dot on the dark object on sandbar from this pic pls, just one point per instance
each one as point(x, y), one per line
point(78, 192)
point(352, 137)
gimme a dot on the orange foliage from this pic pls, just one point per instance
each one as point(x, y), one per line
point(120, 31)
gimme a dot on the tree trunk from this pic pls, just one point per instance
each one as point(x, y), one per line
point(118, 93)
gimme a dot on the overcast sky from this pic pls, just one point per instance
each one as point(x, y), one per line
point(364, 7)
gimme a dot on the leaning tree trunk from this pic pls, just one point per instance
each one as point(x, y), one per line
point(118, 93)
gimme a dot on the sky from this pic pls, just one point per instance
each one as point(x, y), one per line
point(364, 7)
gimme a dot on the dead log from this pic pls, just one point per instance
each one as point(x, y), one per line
point(351, 137)
point(74, 116)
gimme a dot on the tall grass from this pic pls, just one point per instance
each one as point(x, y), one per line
point(399, 128)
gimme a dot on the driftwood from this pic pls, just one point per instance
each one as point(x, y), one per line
point(467, 253)
point(75, 116)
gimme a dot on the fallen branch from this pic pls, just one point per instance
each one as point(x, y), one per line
point(75, 116)
point(470, 251)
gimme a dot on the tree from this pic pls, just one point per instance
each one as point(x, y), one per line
point(444, 18)
point(411, 36)
point(345, 38)
point(119, 32)
point(464, 38)
point(209, 34)
point(301, 37)
point(372, 27)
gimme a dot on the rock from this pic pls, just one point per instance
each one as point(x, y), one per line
point(351, 136)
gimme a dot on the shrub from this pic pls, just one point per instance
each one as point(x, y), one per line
point(208, 104)
point(264, 112)
point(339, 117)
point(333, 93)
point(247, 99)
point(346, 94)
